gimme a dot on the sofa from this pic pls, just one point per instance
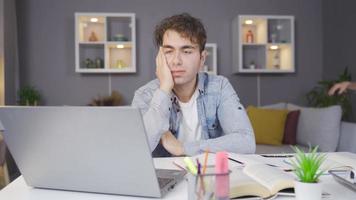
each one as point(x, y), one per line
point(321, 127)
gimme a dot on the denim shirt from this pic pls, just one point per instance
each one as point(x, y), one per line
point(224, 122)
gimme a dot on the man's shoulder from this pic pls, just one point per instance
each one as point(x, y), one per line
point(149, 87)
point(215, 82)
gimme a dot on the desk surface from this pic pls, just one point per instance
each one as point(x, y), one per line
point(19, 190)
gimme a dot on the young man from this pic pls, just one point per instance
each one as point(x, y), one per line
point(186, 112)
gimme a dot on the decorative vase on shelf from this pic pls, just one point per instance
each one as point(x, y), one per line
point(249, 37)
point(273, 37)
point(99, 63)
point(120, 64)
point(88, 63)
point(252, 65)
point(93, 37)
point(119, 37)
point(276, 60)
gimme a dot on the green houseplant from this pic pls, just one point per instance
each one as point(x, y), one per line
point(318, 96)
point(307, 169)
point(115, 99)
point(29, 96)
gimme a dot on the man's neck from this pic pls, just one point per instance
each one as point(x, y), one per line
point(186, 91)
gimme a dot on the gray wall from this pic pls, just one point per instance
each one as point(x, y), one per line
point(339, 41)
point(2, 92)
point(11, 56)
point(46, 44)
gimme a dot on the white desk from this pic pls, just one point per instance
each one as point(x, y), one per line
point(18, 190)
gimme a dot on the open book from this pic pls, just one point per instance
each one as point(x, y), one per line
point(337, 160)
point(259, 180)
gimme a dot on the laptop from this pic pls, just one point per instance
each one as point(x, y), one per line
point(90, 149)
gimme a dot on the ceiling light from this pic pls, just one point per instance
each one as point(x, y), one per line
point(120, 46)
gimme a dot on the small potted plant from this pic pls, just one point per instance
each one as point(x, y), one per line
point(307, 169)
point(115, 99)
point(29, 96)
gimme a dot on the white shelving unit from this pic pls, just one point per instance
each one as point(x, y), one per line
point(263, 44)
point(105, 43)
point(210, 65)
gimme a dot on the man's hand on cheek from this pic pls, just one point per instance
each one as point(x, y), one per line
point(172, 144)
point(163, 72)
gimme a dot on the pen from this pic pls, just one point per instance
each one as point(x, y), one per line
point(180, 167)
point(199, 166)
point(205, 160)
point(277, 156)
point(236, 161)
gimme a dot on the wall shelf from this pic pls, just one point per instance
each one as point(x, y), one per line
point(263, 44)
point(105, 43)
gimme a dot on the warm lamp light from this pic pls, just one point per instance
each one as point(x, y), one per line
point(94, 19)
point(120, 46)
point(249, 22)
point(273, 47)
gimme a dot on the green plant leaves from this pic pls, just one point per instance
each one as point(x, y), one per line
point(28, 95)
point(318, 96)
point(307, 165)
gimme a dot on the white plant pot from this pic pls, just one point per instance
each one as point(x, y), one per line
point(307, 191)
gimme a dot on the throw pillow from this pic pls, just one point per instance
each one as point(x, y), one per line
point(268, 124)
point(290, 129)
point(318, 126)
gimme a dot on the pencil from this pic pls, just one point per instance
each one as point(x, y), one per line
point(205, 160)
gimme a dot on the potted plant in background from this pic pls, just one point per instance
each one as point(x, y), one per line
point(115, 99)
point(318, 96)
point(29, 96)
point(307, 169)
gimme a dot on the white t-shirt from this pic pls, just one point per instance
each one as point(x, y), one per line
point(190, 127)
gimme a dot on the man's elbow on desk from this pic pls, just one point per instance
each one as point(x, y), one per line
point(244, 145)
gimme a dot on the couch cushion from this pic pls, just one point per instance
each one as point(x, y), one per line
point(318, 126)
point(347, 137)
point(268, 124)
point(290, 129)
point(273, 149)
point(280, 105)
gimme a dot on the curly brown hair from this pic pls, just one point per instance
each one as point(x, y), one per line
point(186, 25)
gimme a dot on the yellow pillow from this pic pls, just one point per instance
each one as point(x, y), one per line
point(268, 124)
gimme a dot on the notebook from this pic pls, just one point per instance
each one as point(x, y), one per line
point(90, 149)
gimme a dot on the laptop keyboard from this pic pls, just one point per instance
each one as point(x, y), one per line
point(163, 181)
